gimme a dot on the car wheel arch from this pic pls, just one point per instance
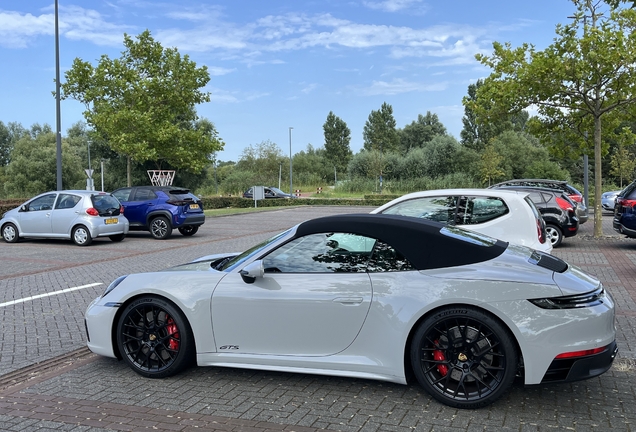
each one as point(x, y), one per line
point(509, 326)
point(124, 305)
point(156, 213)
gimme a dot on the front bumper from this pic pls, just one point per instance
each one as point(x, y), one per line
point(577, 369)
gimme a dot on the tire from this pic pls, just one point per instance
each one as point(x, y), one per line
point(117, 237)
point(554, 234)
point(10, 233)
point(189, 230)
point(154, 338)
point(160, 228)
point(81, 236)
point(473, 371)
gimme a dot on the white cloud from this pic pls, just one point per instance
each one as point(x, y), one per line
point(390, 5)
point(398, 86)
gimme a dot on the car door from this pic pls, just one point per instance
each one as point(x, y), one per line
point(36, 220)
point(312, 300)
point(66, 211)
point(140, 202)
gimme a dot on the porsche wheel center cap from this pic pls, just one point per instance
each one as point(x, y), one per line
point(462, 357)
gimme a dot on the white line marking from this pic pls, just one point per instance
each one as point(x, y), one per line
point(26, 299)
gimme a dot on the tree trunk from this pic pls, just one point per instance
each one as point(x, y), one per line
point(598, 177)
point(128, 172)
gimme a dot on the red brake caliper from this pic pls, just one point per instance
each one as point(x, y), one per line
point(438, 355)
point(173, 331)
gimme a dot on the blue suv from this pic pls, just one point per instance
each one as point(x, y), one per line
point(160, 209)
point(625, 211)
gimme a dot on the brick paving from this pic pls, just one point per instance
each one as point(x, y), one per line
point(98, 394)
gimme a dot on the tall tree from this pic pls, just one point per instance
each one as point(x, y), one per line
point(622, 161)
point(9, 135)
point(337, 139)
point(143, 103)
point(379, 131)
point(420, 131)
point(588, 71)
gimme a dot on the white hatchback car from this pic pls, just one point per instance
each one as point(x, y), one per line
point(506, 215)
point(78, 215)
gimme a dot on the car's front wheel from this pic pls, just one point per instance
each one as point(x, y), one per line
point(189, 230)
point(154, 338)
point(554, 234)
point(160, 228)
point(10, 233)
point(463, 357)
point(81, 236)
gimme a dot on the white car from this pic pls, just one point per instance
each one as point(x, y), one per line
point(505, 215)
point(78, 215)
point(369, 296)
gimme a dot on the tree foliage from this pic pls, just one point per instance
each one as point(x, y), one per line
point(586, 73)
point(337, 142)
point(420, 131)
point(623, 161)
point(489, 165)
point(379, 131)
point(143, 103)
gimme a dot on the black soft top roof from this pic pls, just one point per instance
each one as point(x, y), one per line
point(419, 240)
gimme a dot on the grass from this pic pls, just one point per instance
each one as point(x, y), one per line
point(232, 211)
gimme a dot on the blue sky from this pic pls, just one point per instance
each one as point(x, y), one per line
point(276, 64)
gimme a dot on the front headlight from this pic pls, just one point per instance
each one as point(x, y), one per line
point(114, 284)
point(588, 299)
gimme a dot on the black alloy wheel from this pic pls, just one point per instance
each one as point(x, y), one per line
point(154, 338)
point(160, 228)
point(463, 357)
point(189, 230)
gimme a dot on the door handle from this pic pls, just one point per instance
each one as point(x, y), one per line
point(349, 301)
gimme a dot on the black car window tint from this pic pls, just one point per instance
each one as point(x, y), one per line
point(123, 195)
point(143, 194)
point(485, 209)
point(547, 197)
point(536, 197)
point(386, 259)
point(66, 201)
point(106, 205)
point(42, 203)
point(321, 253)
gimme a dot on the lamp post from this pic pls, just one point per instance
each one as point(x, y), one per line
point(280, 173)
point(58, 123)
point(291, 190)
point(102, 173)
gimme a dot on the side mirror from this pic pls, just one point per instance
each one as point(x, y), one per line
point(24, 208)
point(252, 271)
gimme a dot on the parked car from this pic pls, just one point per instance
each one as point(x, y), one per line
point(608, 199)
point(557, 209)
point(505, 215)
point(160, 209)
point(368, 296)
point(270, 192)
point(624, 211)
point(79, 215)
point(571, 191)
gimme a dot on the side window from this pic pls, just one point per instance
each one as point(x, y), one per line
point(143, 194)
point(66, 201)
point(440, 208)
point(42, 203)
point(386, 259)
point(321, 253)
point(123, 195)
point(536, 197)
point(547, 197)
point(484, 209)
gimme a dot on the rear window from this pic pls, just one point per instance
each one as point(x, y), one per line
point(629, 191)
point(106, 204)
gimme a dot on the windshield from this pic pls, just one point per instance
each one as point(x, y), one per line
point(231, 263)
point(278, 191)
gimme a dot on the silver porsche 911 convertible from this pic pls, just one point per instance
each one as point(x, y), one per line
point(381, 297)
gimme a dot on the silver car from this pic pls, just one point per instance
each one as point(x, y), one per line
point(608, 199)
point(78, 215)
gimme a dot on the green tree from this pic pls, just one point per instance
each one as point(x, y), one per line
point(489, 166)
point(9, 134)
point(379, 131)
point(623, 162)
point(264, 161)
point(143, 104)
point(588, 72)
point(337, 140)
point(420, 132)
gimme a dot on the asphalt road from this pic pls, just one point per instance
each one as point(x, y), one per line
point(48, 381)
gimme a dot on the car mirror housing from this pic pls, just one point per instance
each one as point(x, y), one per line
point(24, 208)
point(252, 271)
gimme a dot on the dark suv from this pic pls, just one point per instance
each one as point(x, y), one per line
point(160, 209)
point(556, 208)
point(562, 185)
point(625, 211)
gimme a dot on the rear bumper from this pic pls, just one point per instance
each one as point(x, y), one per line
point(576, 369)
point(189, 220)
point(620, 228)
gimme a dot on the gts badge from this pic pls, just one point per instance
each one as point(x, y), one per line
point(229, 347)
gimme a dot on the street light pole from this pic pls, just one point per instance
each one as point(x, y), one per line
point(291, 190)
point(58, 131)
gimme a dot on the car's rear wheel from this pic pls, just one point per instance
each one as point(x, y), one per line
point(189, 230)
point(81, 236)
point(554, 234)
point(160, 228)
point(117, 237)
point(463, 357)
point(154, 338)
point(10, 233)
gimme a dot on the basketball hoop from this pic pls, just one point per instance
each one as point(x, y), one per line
point(161, 177)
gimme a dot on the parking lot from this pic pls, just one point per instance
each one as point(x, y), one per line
point(50, 382)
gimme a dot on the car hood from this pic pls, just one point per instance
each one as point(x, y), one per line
point(520, 264)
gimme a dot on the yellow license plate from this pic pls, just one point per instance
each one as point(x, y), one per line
point(111, 221)
point(194, 206)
